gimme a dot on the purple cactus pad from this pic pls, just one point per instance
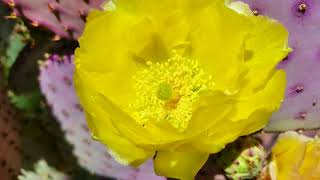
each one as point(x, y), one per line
point(66, 18)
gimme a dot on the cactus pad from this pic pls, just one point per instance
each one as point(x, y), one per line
point(66, 18)
point(10, 150)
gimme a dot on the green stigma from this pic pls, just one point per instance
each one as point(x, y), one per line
point(164, 91)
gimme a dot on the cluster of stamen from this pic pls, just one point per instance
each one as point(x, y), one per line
point(167, 91)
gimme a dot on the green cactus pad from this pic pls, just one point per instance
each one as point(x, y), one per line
point(243, 159)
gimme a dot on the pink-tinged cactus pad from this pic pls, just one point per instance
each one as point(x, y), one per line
point(57, 85)
point(10, 151)
point(66, 18)
point(301, 107)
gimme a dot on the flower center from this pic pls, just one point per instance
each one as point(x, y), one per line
point(167, 91)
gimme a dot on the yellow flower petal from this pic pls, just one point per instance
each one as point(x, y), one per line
point(211, 34)
point(265, 47)
point(212, 109)
point(180, 165)
point(120, 147)
point(152, 7)
point(215, 139)
point(260, 99)
point(250, 116)
point(117, 62)
point(296, 157)
point(239, 7)
point(310, 168)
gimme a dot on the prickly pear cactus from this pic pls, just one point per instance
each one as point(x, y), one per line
point(42, 172)
point(14, 36)
point(300, 109)
point(243, 159)
point(66, 18)
point(56, 84)
point(17, 40)
point(10, 150)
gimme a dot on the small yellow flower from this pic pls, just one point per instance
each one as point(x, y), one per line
point(177, 79)
point(296, 157)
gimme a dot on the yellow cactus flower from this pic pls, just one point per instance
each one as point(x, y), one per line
point(295, 157)
point(177, 80)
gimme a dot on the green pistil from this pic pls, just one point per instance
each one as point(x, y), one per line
point(164, 91)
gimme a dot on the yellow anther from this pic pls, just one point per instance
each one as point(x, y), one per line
point(167, 91)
